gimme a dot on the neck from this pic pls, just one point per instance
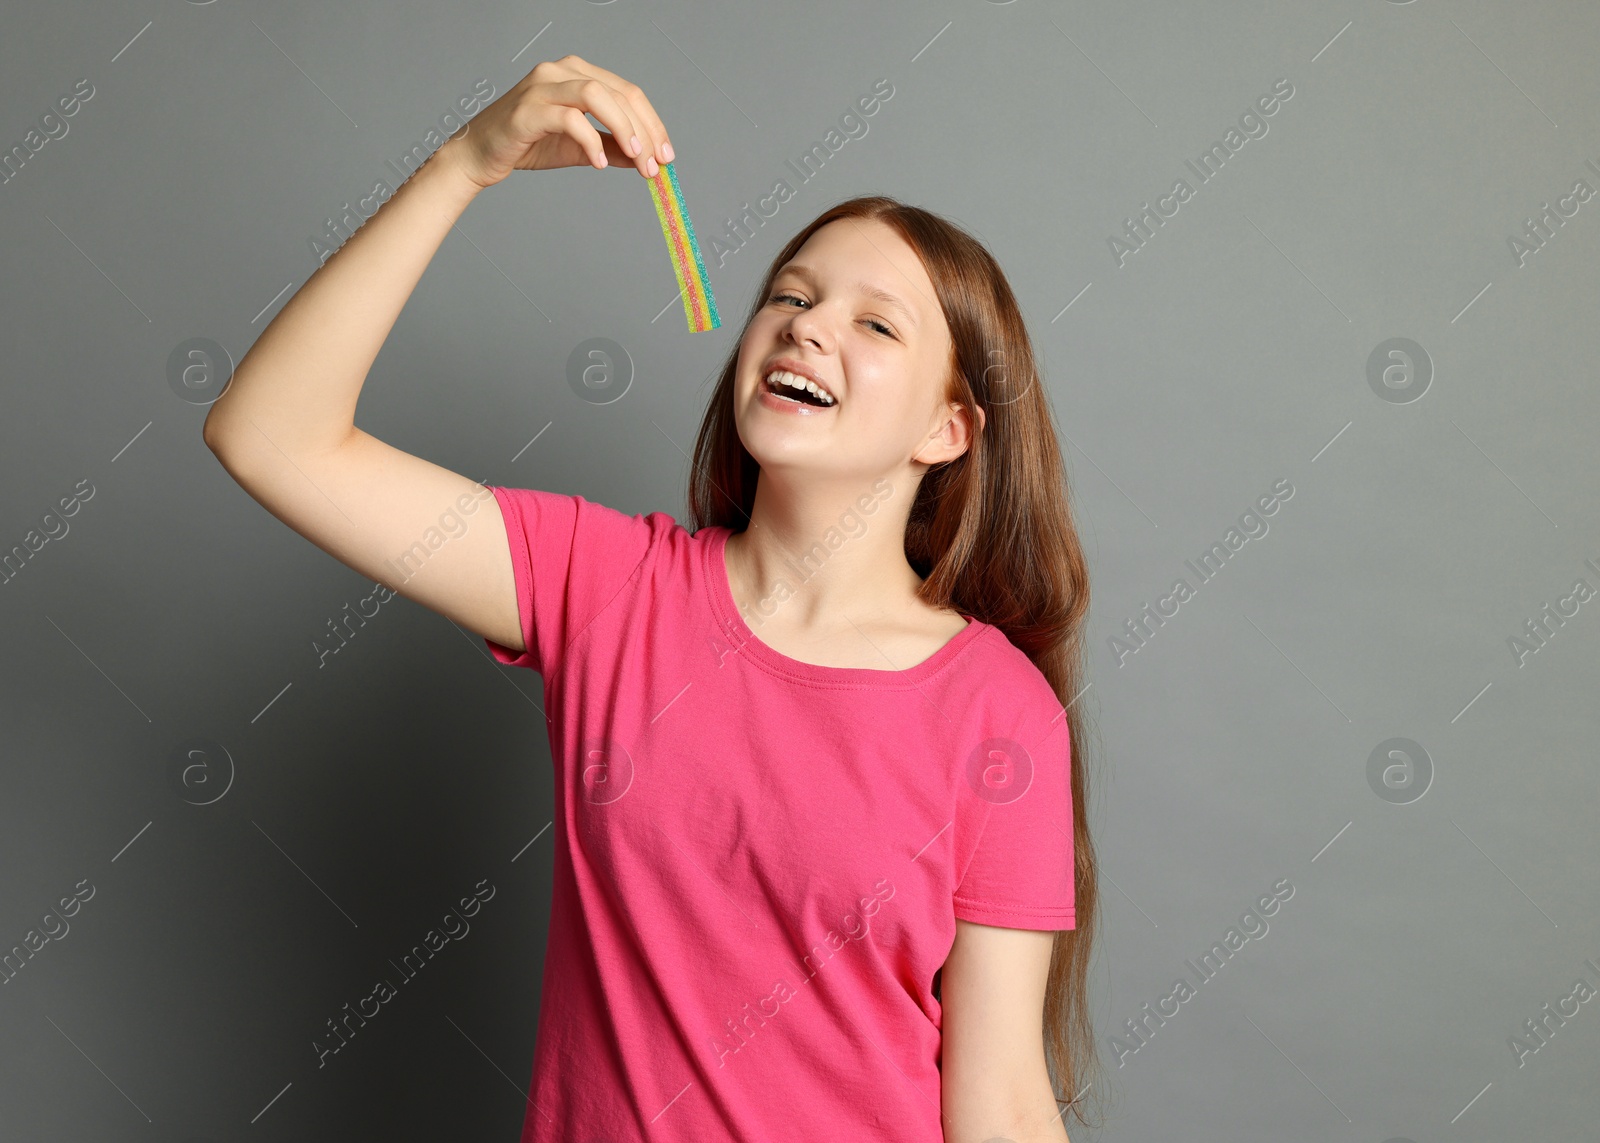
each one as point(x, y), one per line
point(824, 551)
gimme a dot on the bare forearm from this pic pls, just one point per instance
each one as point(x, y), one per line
point(297, 388)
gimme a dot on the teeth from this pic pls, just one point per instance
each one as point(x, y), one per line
point(795, 381)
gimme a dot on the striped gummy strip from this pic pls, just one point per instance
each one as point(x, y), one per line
point(699, 307)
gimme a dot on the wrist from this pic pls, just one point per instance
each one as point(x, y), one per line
point(448, 159)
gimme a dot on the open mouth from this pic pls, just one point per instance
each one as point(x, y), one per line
point(792, 387)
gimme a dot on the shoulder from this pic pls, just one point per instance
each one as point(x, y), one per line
point(1001, 693)
point(567, 538)
point(1006, 669)
point(579, 514)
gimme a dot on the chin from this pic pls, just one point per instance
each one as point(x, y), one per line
point(775, 446)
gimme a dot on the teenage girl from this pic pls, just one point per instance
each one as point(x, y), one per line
point(822, 868)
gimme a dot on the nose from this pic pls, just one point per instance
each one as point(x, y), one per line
point(806, 326)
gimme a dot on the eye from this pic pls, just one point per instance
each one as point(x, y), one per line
point(874, 323)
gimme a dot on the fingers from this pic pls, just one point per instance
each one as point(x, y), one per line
point(644, 122)
point(614, 152)
point(595, 97)
point(578, 128)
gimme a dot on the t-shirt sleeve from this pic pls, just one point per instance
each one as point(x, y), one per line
point(1021, 874)
point(570, 558)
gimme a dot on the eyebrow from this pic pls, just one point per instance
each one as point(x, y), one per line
point(867, 288)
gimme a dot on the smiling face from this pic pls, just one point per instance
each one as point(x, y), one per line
point(855, 313)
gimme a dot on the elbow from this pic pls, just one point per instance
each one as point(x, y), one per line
point(211, 431)
point(221, 427)
point(219, 436)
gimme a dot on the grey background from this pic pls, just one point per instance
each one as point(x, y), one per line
point(362, 798)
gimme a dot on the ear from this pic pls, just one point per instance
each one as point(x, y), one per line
point(952, 437)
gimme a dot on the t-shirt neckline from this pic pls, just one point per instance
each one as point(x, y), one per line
point(714, 568)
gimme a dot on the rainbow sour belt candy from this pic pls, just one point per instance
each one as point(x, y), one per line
point(698, 304)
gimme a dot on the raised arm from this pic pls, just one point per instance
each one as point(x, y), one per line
point(285, 427)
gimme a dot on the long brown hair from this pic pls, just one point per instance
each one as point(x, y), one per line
point(991, 532)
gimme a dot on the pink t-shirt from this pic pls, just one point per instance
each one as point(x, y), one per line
point(759, 862)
